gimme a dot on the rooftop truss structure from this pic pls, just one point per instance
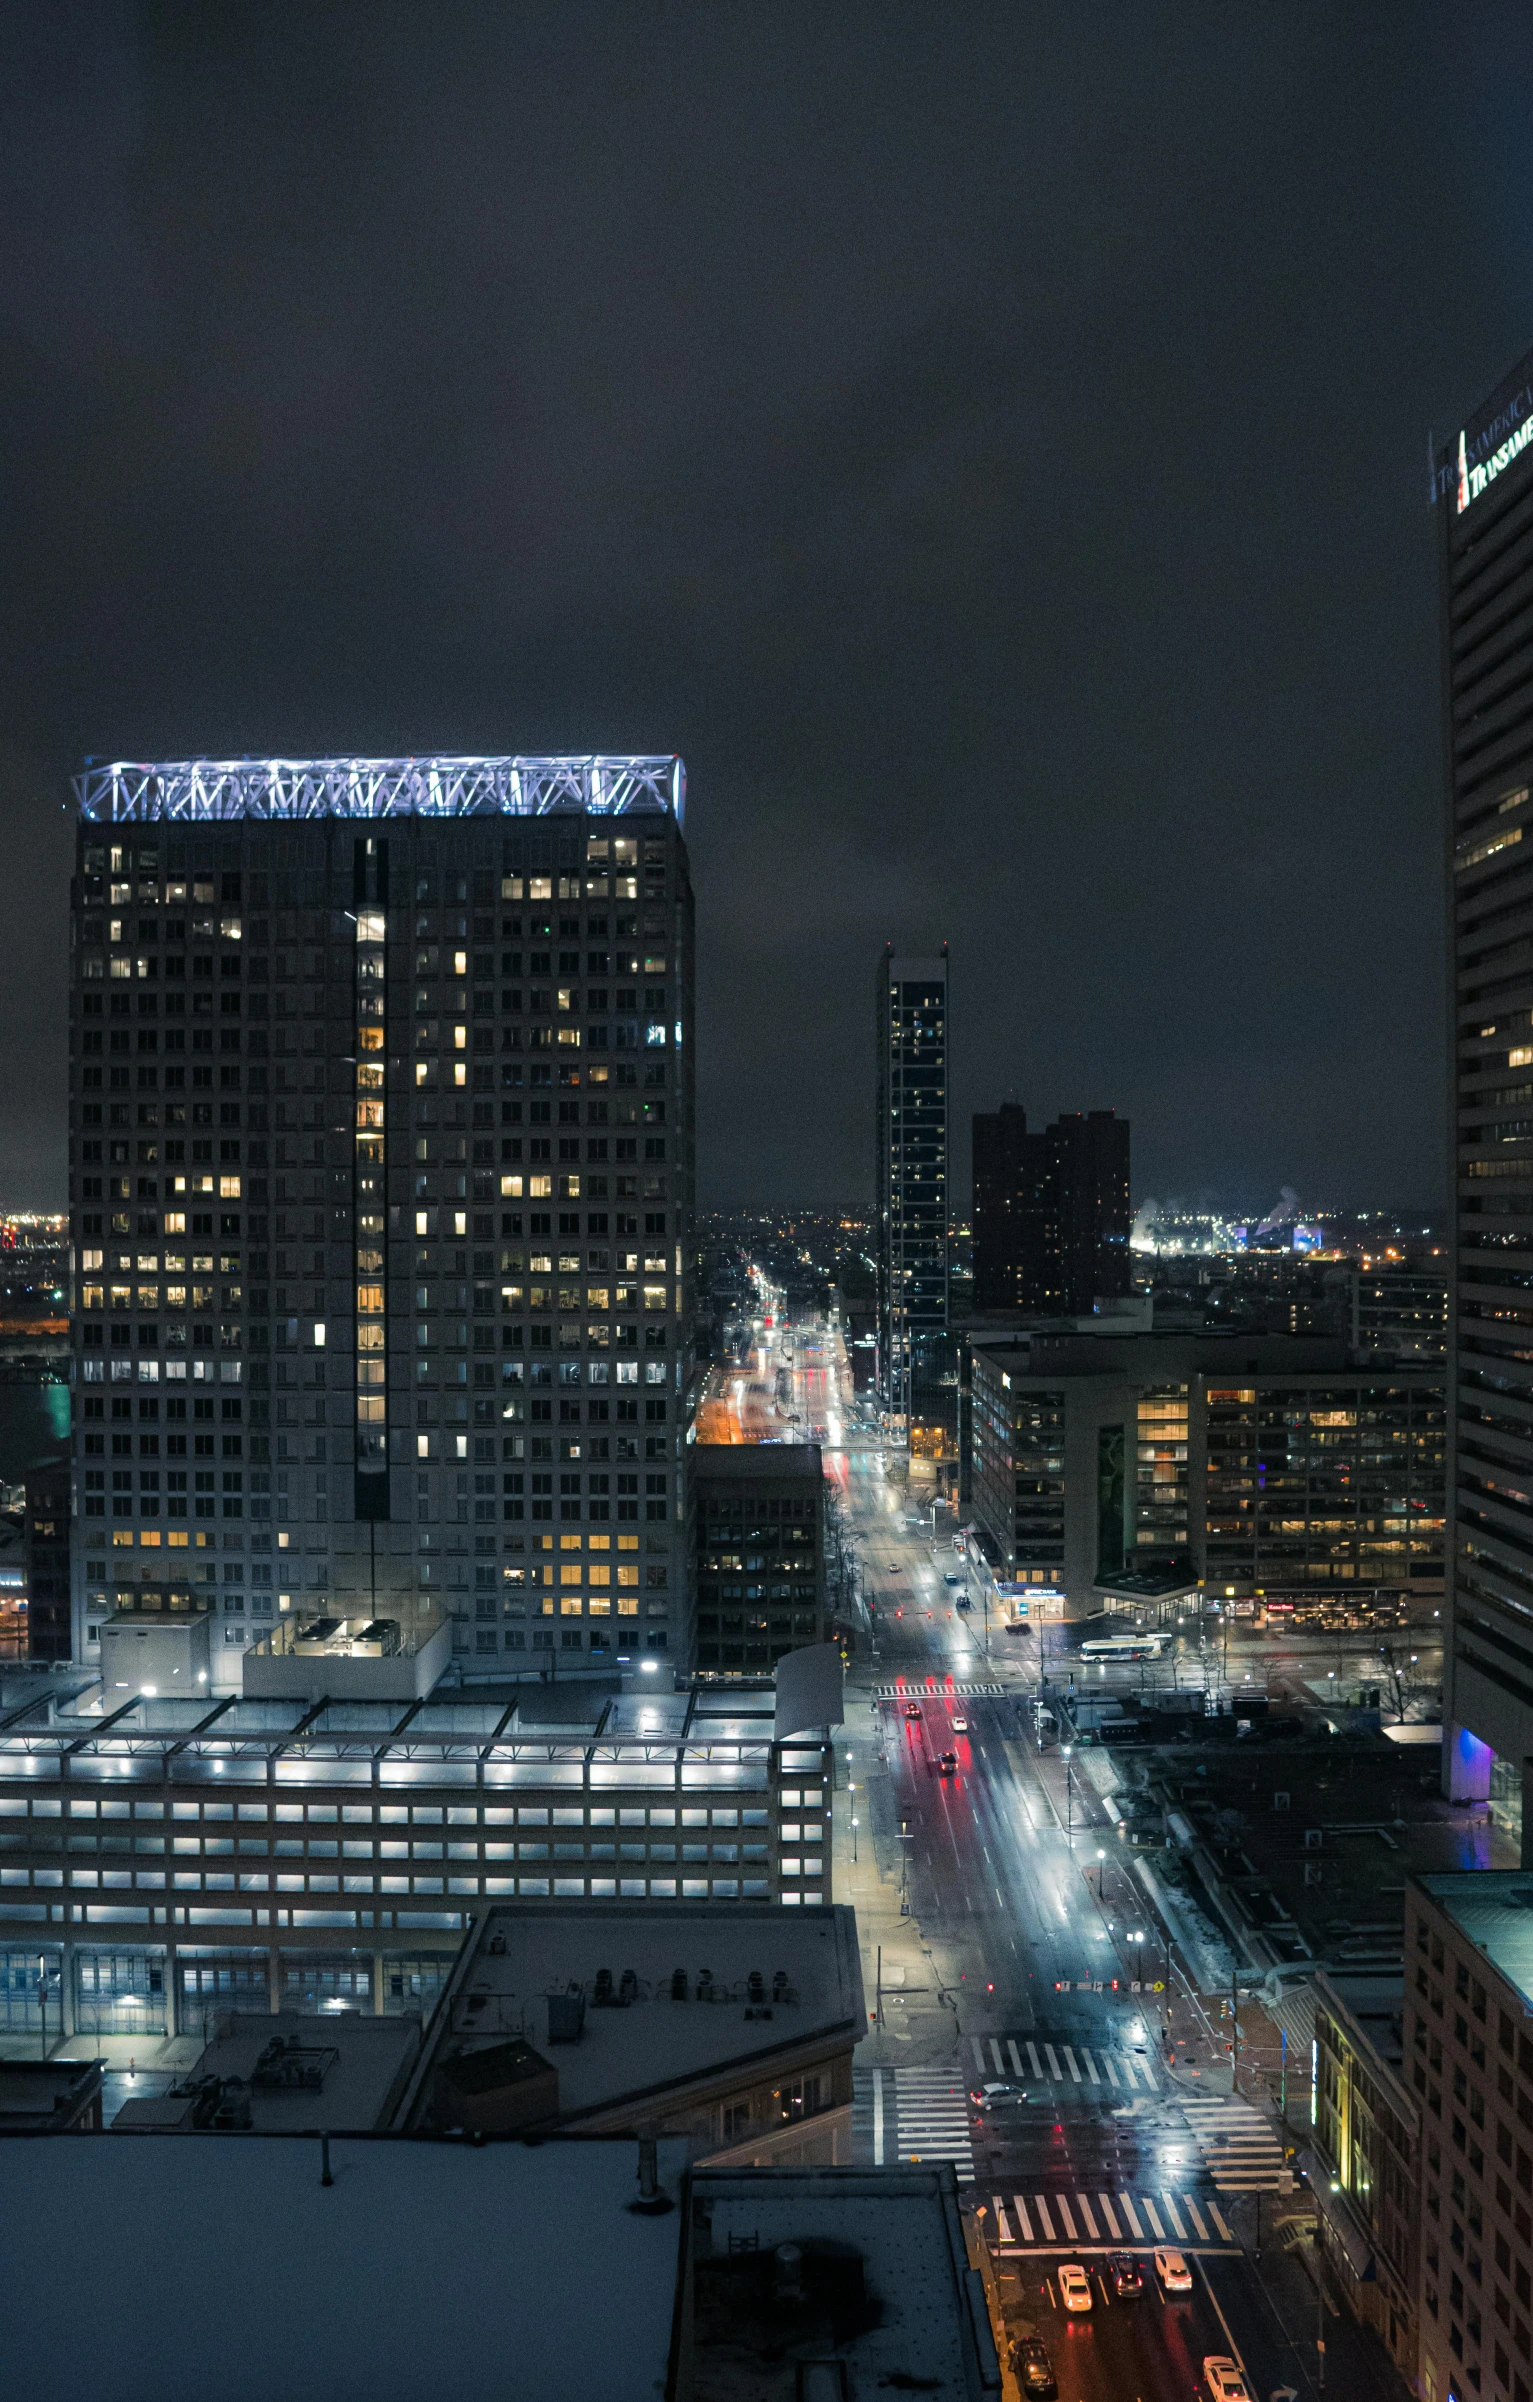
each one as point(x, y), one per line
point(195, 791)
point(304, 1743)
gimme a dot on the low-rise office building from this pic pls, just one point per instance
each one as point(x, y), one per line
point(1469, 2061)
point(1130, 1467)
point(163, 1856)
point(47, 1524)
point(759, 1510)
point(736, 2033)
point(1365, 2171)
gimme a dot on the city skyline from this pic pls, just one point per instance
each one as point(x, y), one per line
point(1051, 667)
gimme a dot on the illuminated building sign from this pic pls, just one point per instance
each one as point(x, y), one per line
point(1486, 448)
point(1475, 477)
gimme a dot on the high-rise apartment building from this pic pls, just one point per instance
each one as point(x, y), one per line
point(381, 1181)
point(1010, 1182)
point(916, 1383)
point(1087, 1218)
point(1051, 1211)
point(1485, 509)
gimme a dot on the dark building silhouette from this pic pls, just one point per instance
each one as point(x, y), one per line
point(1051, 1211)
point(1010, 1178)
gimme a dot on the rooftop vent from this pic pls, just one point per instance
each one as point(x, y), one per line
point(678, 1984)
point(294, 2067)
point(566, 2015)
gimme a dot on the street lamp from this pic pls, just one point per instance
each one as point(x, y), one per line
point(1101, 1873)
point(854, 1842)
point(1136, 1938)
point(1064, 1753)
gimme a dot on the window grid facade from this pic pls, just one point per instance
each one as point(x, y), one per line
point(382, 1190)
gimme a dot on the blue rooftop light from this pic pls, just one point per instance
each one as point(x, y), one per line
point(197, 790)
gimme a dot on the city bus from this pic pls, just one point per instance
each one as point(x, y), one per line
point(1107, 1648)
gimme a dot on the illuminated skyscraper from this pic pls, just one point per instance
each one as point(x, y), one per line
point(1484, 490)
point(381, 1182)
point(916, 1383)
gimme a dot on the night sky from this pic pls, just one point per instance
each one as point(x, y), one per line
point(991, 446)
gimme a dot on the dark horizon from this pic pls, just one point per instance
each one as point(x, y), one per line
point(993, 456)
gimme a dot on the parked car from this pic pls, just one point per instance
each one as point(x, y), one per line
point(1074, 2287)
point(1224, 2379)
point(1174, 2275)
point(1032, 2367)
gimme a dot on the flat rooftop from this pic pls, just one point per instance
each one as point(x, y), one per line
point(521, 1955)
point(757, 1463)
point(424, 2268)
point(884, 2283)
point(337, 2070)
point(1494, 1909)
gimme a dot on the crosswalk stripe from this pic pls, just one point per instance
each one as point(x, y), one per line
point(1125, 2204)
point(1066, 2221)
point(1152, 2214)
point(979, 2053)
point(996, 2055)
point(1016, 2057)
point(1112, 2074)
point(1052, 2061)
point(1087, 2221)
point(1177, 2229)
point(1002, 2222)
point(1040, 2204)
point(1196, 2216)
point(1106, 2208)
point(1217, 2217)
point(878, 2118)
point(1032, 2053)
point(1091, 2066)
point(1070, 2063)
point(1023, 2221)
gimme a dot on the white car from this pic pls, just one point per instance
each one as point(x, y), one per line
point(1075, 2290)
point(960, 1726)
point(1224, 2379)
point(1173, 2274)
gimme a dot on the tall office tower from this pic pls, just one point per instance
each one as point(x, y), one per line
point(1087, 1219)
point(916, 1385)
point(1485, 505)
point(382, 1173)
point(1010, 1189)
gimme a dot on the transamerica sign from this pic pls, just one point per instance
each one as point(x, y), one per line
point(1476, 476)
point(1489, 444)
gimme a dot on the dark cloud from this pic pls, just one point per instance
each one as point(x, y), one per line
point(989, 443)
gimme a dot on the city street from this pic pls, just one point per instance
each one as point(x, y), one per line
point(993, 1928)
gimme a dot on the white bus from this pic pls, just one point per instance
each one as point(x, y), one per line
point(1124, 1647)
